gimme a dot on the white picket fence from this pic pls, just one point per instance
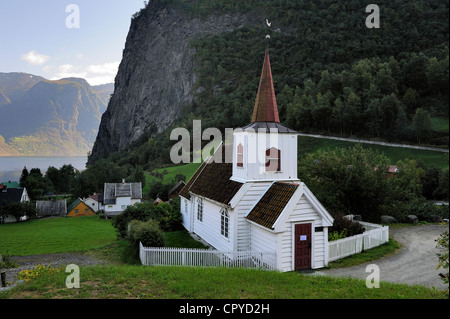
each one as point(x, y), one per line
point(375, 235)
point(167, 256)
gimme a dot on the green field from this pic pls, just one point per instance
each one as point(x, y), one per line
point(439, 124)
point(187, 170)
point(55, 235)
point(429, 158)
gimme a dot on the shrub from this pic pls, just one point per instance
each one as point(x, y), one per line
point(424, 210)
point(148, 233)
point(141, 211)
point(168, 217)
point(442, 242)
point(343, 227)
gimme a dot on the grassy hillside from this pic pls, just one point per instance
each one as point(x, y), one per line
point(166, 175)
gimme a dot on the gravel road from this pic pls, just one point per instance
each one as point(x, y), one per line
point(413, 264)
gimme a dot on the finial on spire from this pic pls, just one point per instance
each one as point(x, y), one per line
point(268, 35)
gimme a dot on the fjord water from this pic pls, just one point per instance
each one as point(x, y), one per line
point(11, 167)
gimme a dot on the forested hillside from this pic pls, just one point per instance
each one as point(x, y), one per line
point(332, 74)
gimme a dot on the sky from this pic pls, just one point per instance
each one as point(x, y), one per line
point(57, 38)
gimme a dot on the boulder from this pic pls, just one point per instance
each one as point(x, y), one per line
point(412, 219)
point(385, 219)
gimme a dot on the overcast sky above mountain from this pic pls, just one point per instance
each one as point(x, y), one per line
point(45, 37)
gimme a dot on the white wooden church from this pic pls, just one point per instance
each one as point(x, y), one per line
point(257, 203)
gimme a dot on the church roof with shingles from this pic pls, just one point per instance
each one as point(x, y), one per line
point(272, 204)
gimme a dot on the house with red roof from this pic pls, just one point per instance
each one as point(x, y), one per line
point(256, 202)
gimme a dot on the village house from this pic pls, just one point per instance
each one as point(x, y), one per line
point(16, 195)
point(79, 208)
point(118, 196)
point(257, 202)
point(94, 202)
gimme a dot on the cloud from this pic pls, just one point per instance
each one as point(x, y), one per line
point(35, 58)
point(106, 68)
point(69, 71)
point(95, 74)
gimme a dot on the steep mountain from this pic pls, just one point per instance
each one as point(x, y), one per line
point(156, 77)
point(48, 118)
point(200, 59)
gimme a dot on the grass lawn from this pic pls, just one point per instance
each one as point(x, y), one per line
point(131, 282)
point(55, 235)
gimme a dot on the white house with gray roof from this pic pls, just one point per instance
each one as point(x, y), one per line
point(118, 196)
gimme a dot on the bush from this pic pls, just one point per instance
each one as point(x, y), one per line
point(168, 217)
point(344, 227)
point(442, 242)
point(148, 233)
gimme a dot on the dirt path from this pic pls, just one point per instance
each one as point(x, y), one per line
point(54, 260)
point(413, 264)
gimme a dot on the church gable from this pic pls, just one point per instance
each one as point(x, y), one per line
point(269, 208)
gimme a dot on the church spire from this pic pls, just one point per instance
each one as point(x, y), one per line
point(265, 109)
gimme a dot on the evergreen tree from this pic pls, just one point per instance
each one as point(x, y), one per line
point(23, 177)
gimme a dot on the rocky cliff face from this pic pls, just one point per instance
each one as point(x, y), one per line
point(156, 76)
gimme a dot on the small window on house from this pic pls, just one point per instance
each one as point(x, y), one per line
point(240, 156)
point(123, 207)
point(224, 222)
point(185, 206)
point(76, 211)
point(200, 210)
point(86, 210)
point(273, 160)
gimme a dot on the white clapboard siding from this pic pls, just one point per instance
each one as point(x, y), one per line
point(244, 206)
point(209, 228)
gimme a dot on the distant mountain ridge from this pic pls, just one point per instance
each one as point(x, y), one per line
point(39, 117)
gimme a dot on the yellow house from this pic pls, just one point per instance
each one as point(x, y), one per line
point(79, 208)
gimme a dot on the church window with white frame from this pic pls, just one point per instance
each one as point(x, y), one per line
point(200, 210)
point(224, 219)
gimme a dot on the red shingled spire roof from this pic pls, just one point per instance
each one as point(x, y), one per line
point(265, 109)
